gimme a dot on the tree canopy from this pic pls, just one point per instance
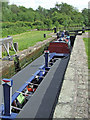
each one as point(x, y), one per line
point(61, 14)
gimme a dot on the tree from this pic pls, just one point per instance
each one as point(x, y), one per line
point(48, 22)
point(37, 16)
point(22, 8)
point(61, 14)
point(6, 14)
point(85, 15)
point(56, 24)
point(14, 9)
point(64, 8)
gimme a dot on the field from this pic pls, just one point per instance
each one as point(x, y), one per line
point(28, 39)
point(87, 44)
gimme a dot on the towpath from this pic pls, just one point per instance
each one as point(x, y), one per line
point(73, 100)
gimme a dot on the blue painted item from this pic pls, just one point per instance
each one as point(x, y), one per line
point(46, 58)
point(7, 84)
point(62, 35)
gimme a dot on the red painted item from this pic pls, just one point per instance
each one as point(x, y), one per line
point(59, 47)
point(31, 89)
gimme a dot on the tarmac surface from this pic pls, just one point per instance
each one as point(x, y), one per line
point(73, 99)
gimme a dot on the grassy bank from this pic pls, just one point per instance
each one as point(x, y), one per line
point(87, 43)
point(9, 71)
point(14, 28)
point(28, 39)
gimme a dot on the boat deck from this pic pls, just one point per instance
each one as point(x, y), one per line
point(22, 76)
point(42, 102)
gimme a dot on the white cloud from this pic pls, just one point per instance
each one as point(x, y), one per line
point(89, 5)
point(26, 3)
point(4, 0)
point(80, 4)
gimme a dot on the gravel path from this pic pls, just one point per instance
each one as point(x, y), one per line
point(73, 99)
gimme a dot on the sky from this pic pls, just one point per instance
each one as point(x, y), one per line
point(79, 4)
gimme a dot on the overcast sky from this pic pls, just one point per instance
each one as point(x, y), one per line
point(79, 4)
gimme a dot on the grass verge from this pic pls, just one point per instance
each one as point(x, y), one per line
point(28, 39)
point(87, 44)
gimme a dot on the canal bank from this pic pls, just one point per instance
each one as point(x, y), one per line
point(26, 56)
point(73, 99)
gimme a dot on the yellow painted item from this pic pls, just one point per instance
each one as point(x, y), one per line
point(20, 98)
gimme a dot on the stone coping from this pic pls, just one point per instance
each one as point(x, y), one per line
point(73, 99)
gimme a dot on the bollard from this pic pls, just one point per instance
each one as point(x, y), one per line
point(55, 30)
point(8, 36)
point(57, 35)
point(16, 46)
point(76, 33)
point(7, 93)
point(83, 30)
point(17, 64)
point(44, 35)
point(46, 58)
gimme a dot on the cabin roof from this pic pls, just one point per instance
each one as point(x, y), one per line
point(43, 100)
point(22, 76)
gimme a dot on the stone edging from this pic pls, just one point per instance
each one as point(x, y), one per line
point(73, 99)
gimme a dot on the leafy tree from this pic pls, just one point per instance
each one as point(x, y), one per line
point(85, 16)
point(48, 22)
point(56, 24)
point(6, 14)
point(14, 9)
point(22, 8)
point(37, 16)
point(40, 9)
point(5, 4)
point(64, 8)
point(61, 14)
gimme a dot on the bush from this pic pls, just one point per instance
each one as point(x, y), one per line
point(7, 24)
point(40, 23)
point(9, 28)
point(13, 31)
point(29, 24)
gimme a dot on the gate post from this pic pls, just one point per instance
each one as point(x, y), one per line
point(46, 58)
